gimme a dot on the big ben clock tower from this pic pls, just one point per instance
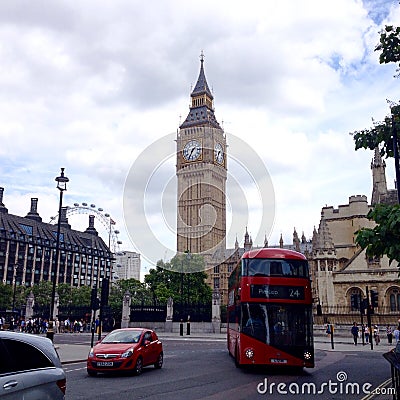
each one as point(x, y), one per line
point(201, 169)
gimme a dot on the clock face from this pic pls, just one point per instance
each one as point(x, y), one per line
point(219, 153)
point(192, 150)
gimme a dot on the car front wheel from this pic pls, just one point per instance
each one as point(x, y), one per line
point(138, 366)
point(160, 359)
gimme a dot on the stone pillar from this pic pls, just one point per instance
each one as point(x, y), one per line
point(170, 313)
point(30, 302)
point(126, 310)
point(216, 311)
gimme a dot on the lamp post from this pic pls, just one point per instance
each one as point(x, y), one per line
point(16, 267)
point(61, 186)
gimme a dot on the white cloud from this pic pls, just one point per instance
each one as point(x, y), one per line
point(89, 86)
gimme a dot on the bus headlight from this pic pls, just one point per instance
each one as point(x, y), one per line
point(307, 355)
point(249, 353)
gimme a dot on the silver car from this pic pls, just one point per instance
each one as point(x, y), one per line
point(30, 368)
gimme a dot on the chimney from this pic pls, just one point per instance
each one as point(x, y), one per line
point(91, 229)
point(33, 214)
point(3, 209)
point(63, 218)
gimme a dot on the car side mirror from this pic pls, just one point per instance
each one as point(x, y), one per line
point(146, 342)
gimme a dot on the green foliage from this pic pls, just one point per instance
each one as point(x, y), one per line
point(380, 135)
point(384, 238)
point(6, 292)
point(42, 292)
point(81, 296)
point(389, 45)
point(177, 280)
point(138, 291)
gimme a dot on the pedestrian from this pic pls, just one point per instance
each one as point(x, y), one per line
point(376, 335)
point(389, 334)
point(354, 332)
point(366, 333)
point(396, 335)
point(328, 329)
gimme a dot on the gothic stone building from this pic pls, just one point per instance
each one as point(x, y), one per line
point(341, 270)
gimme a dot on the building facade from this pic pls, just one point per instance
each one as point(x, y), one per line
point(201, 170)
point(342, 273)
point(127, 265)
point(28, 249)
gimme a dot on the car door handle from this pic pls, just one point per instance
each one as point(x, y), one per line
point(10, 384)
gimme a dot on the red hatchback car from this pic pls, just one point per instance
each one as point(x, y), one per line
point(128, 349)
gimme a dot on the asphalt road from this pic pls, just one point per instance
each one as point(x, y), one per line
point(202, 369)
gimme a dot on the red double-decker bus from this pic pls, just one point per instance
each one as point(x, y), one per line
point(270, 309)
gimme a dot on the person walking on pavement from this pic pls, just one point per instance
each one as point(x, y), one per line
point(376, 335)
point(396, 334)
point(366, 333)
point(354, 332)
point(389, 334)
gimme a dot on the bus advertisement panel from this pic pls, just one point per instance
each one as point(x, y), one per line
point(270, 309)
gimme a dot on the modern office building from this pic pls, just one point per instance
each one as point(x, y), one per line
point(127, 265)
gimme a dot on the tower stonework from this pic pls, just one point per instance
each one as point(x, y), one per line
point(201, 169)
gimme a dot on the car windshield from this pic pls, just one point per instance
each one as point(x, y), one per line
point(122, 337)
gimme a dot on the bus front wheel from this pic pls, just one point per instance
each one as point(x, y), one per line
point(237, 364)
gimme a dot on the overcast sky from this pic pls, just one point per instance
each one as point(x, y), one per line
point(90, 85)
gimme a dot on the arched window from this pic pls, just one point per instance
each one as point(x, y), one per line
point(394, 298)
point(355, 299)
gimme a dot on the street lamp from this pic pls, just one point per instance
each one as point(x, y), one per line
point(61, 186)
point(16, 267)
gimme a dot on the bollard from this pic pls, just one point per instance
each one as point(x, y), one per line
point(181, 328)
point(50, 331)
point(188, 328)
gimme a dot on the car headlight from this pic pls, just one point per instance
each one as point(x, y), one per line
point(91, 353)
point(249, 353)
point(307, 355)
point(127, 353)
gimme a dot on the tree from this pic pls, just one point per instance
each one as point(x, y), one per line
point(5, 296)
point(42, 292)
point(177, 279)
point(389, 45)
point(384, 238)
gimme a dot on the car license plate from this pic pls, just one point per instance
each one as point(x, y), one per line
point(104, 363)
point(278, 361)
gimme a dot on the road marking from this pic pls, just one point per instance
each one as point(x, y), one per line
point(381, 386)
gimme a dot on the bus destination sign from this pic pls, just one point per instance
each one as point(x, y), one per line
point(277, 292)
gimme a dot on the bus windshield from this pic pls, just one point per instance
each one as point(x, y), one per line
point(274, 267)
point(278, 325)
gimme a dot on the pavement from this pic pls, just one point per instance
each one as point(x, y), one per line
point(72, 353)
